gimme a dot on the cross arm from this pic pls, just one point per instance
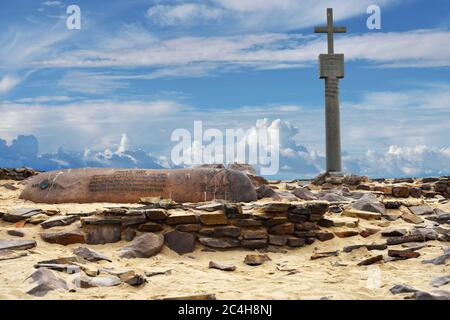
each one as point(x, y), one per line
point(325, 30)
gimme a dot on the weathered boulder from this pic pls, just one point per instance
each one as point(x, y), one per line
point(180, 242)
point(128, 186)
point(143, 246)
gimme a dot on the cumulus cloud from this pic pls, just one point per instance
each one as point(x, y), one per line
point(295, 160)
point(24, 152)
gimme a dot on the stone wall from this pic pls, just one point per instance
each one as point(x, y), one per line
point(214, 225)
point(398, 188)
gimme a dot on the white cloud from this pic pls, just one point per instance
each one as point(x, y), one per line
point(8, 82)
point(91, 82)
point(187, 13)
point(420, 48)
point(261, 15)
point(51, 3)
point(43, 99)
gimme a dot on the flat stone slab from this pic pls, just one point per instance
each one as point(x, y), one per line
point(59, 221)
point(19, 214)
point(130, 185)
point(17, 244)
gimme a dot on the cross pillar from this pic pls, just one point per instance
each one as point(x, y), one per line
point(331, 67)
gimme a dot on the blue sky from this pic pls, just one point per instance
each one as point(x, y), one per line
point(143, 68)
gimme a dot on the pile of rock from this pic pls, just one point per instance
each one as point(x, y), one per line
point(215, 225)
point(398, 188)
point(16, 173)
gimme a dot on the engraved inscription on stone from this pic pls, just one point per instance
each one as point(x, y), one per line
point(331, 66)
point(128, 181)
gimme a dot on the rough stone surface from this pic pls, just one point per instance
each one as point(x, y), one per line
point(221, 231)
point(101, 231)
point(99, 281)
point(17, 244)
point(254, 244)
point(367, 215)
point(221, 266)
point(143, 246)
point(15, 233)
point(59, 221)
point(182, 218)
point(285, 228)
point(277, 240)
point(400, 191)
point(63, 237)
point(213, 218)
point(371, 260)
point(392, 232)
point(19, 214)
point(90, 255)
point(44, 280)
point(150, 227)
point(295, 242)
point(402, 288)
point(180, 242)
point(218, 243)
point(421, 210)
point(369, 204)
point(304, 194)
point(256, 259)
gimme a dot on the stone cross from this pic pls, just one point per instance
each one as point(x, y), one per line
point(331, 67)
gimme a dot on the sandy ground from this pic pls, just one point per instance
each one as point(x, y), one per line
point(290, 275)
